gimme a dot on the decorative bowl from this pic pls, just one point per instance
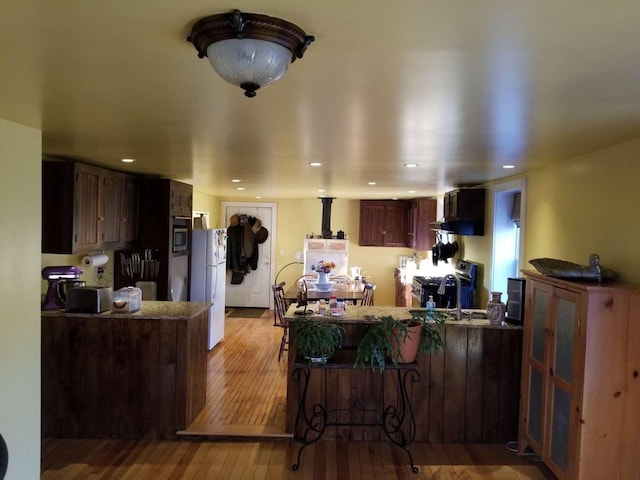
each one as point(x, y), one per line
point(324, 287)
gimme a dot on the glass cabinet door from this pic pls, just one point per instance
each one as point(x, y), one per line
point(535, 363)
point(564, 324)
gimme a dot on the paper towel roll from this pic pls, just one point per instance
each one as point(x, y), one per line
point(95, 260)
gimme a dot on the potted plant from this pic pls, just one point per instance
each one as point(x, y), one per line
point(316, 340)
point(399, 341)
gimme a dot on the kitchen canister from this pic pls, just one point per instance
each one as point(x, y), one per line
point(495, 309)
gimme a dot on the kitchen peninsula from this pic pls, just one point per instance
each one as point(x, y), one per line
point(467, 393)
point(124, 375)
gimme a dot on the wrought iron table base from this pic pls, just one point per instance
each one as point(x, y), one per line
point(397, 421)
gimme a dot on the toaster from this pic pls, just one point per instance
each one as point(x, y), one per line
point(127, 300)
point(89, 299)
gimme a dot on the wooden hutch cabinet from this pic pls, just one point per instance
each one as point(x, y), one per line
point(581, 377)
point(86, 208)
point(384, 223)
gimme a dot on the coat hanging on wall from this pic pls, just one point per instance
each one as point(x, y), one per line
point(244, 234)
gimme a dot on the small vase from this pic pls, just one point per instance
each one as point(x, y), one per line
point(495, 309)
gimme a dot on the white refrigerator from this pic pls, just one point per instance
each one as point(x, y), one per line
point(208, 276)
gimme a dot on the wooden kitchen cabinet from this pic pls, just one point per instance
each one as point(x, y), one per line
point(580, 377)
point(422, 211)
point(119, 209)
point(160, 213)
point(181, 199)
point(403, 288)
point(384, 223)
point(465, 204)
point(85, 207)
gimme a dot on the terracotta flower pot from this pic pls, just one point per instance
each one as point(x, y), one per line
point(406, 352)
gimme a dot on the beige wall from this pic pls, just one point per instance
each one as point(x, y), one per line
point(203, 202)
point(20, 164)
point(588, 205)
point(577, 207)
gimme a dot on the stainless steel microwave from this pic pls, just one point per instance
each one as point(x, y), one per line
point(180, 239)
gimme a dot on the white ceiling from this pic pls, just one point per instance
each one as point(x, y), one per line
point(459, 87)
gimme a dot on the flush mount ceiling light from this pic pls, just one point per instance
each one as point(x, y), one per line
point(248, 49)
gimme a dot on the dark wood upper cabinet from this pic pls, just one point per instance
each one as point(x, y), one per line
point(85, 208)
point(384, 223)
point(181, 199)
point(87, 218)
point(466, 204)
point(131, 199)
point(422, 211)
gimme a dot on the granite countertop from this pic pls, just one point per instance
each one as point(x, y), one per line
point(149, 310)
point(366, 315)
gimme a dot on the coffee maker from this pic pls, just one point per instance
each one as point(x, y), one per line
point(60, 279)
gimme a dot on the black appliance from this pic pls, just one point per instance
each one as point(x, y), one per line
point(515, 300)
point(423, 287)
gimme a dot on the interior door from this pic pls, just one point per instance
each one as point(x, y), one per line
point(255, 289)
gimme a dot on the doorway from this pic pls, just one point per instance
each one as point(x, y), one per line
point(508, 232)
point(255, 289)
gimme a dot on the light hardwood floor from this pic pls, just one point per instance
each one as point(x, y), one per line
point(246, 385)
point(245, 398)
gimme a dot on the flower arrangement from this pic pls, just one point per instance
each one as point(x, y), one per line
point(323, 267)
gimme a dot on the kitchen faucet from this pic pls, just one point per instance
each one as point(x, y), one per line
point(441, 291)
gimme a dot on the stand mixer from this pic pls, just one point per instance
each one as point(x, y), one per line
point(60, 279)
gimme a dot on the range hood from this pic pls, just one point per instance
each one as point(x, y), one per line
point(459, 227)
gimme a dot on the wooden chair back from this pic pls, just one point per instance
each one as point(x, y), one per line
point(341, 279)
point(309, 277)
point(279, 304)
point(368, 293)
point(279, 311)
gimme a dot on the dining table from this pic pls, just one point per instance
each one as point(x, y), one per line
point(349, 292)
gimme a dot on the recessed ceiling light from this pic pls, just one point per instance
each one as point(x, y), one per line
point(372, 183)
point(240, 188)
point(411, 165)
point(508, 166)
point(412, 191)
point(258, 196)
point(315, 164)
point(235, 180)
point(394, 198)
point(321, 190)
point(128, 160)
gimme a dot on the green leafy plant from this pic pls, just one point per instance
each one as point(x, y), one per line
point(316, 339)
point(376, 348)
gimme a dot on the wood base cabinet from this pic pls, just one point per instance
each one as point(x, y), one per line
point(580, 391)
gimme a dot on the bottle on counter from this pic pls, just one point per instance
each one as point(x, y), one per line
point(431, 305)
point(334, 309)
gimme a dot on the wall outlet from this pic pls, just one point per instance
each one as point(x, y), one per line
point(99, 270)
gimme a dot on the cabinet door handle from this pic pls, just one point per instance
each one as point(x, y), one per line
point(100, 219)
point(384, 232)
point(549, 332)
